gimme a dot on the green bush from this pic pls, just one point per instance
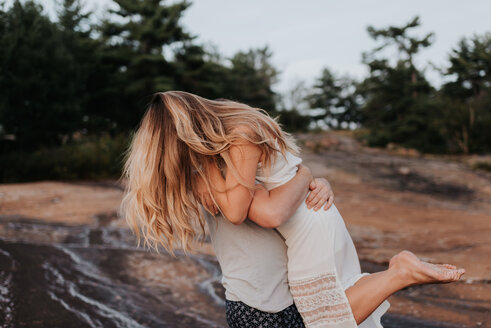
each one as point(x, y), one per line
point(88, 158)
point(486, 166)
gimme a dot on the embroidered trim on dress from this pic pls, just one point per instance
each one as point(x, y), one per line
point(321, 301)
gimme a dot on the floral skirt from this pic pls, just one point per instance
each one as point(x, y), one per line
point(240, 315)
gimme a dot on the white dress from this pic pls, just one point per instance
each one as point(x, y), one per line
point(322, 259)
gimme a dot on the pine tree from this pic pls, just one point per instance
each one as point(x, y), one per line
point(201, 71)
point(38, 95)
point(466, 99)
point(397, 97)
point(91, 77)
point(136, 35)
point(251, 78)
point(408, 46)
point(338, 98)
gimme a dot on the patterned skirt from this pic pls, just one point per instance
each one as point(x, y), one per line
point(240, 315)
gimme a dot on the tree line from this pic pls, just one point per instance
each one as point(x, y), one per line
point(397, 104)
point(77, 75)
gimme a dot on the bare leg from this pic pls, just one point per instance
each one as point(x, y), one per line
point(405, 269)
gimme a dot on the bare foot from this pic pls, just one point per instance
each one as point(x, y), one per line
point(417, 272)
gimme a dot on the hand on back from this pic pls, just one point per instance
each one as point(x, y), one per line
point(320, 194)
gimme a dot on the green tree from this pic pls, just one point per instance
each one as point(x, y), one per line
point(201, 71)
point(293, 109)
point(91, 77)
point(337, 98)
point(136, 35)
point(466, 99)
point(38, 92)
point(397, 97)
point(251, 77)
point(407, 45)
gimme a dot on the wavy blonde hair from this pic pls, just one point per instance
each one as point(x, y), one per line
point(178, 138)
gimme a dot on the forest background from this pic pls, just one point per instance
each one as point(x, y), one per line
point(73, 88)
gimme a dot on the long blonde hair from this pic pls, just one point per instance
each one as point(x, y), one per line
point(179, 136)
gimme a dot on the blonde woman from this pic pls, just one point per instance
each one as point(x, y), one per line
point(190, 151)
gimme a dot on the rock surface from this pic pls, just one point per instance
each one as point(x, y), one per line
point(66, 254)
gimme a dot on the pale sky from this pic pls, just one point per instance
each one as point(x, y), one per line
point(306, 36)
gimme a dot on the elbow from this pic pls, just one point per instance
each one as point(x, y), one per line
point(280, 216)
point(271, 224)
point(236, 218)
point(236, 221)
point(277, 220)
point(272, 219)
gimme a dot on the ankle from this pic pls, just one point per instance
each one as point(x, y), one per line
point(400, 276)
point(399, 271)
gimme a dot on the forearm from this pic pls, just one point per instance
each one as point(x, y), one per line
point(271, 209)
point(225, 195)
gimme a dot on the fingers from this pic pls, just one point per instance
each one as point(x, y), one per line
point(311, 196)
point(319, 200)
point(330, 201)
point(321, 194)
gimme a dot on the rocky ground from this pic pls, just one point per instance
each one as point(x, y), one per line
point(437, 207)
point(391, 199)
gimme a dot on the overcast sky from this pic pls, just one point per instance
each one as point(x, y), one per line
point(307, 35)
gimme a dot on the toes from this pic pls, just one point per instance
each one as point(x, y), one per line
point(447, 273)
point(450, 275)
point(455, 274)
point(439, 272)
point(447, 266)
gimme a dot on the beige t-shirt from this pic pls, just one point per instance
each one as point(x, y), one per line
point(254, 259)
point(253, 262)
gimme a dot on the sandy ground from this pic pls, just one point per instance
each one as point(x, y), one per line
point(438, 208)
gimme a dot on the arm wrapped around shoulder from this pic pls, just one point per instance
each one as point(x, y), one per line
point(270, 209)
